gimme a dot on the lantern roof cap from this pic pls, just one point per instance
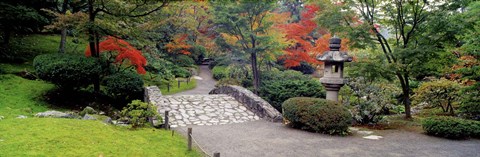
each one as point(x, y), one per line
point(334, 55)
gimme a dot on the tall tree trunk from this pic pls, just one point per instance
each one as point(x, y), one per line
point(406, 95)
point(91, 42)
point(407, 103)
point(63, 38)
point(256, 79)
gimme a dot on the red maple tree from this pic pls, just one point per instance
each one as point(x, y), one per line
point(309, 40)
point(123, 51)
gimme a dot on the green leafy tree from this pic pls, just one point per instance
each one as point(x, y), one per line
point(118, 12)
point(440, 93)
point(400, 29)
point(244, 24)
point(369, 100)
point(15, 17)
point(469, 68)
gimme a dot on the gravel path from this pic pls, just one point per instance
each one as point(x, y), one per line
point(205, 83)
point(266, 139)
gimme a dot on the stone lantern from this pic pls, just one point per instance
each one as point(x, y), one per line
point(333, 70)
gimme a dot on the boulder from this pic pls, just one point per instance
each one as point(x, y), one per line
point(54, 114)
point(88, 117)
point(88, 110)
point(21, 117)
point(108, 120)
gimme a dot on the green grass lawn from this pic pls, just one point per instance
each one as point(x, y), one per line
point(19, 96)
point(70, 137)
point(67, 137)
point(173, 85)
point(41, 44)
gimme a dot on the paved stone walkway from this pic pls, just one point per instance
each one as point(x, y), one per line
point(204, 110)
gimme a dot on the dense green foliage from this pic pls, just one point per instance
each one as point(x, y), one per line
point(278, 86)
point(198, 53)
point(219, 72)
point(228, 81)
point(67, 71)
point(247, 21)
point(440, 93)
point(470, 104)
point(138, 113)
point(124, 85)
point(369, 101)
point(451, 127)
point(181, 72)
point(184, 61)
point(317, 115)
point(470, 68)
point(304, 67)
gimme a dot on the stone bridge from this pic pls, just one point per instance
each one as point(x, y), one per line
point(223, 105)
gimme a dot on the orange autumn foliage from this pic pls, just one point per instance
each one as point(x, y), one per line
point(306, 47)
point(124, 51)
point(466, 61)
point(179, 45)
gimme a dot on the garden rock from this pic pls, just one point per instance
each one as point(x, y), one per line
point(21, 117)
point(88, 110)
point(108, 120)
point(88, 117)
point(54, 114)
point(120, 123)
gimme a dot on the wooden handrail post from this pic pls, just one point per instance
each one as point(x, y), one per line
point(189, 139)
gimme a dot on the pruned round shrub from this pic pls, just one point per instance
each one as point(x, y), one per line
point(278, 86)
point(124, 85)
point(67, 71)
point(219, 72)
point(318, 115)
point(451, 127)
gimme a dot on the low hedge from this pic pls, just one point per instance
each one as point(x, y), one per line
point(68, 71)
point(318, 115)
point(451, 127)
